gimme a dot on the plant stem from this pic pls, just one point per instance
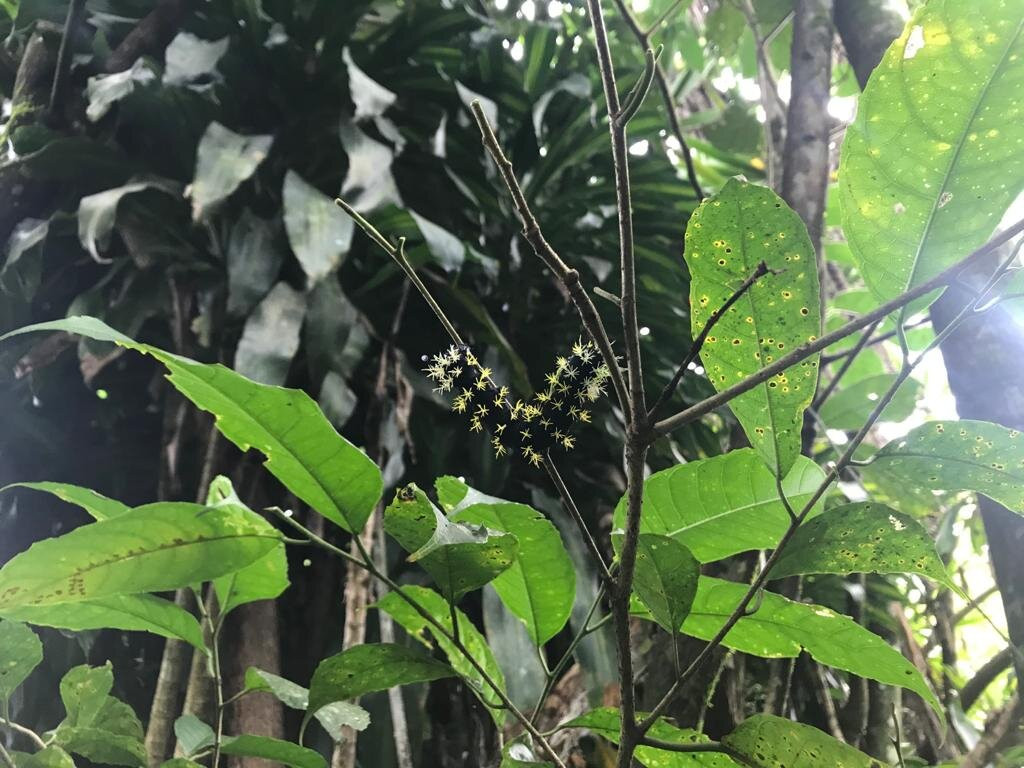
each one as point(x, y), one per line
point(574, 512)
point(829, 388)
point(215, 625)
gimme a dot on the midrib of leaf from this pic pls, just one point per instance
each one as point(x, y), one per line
point(961, 142)
point(733, 511)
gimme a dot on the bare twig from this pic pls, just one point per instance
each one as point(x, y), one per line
point(63, 70)
point(996, 729)
point(829, 388)
point(574, 513)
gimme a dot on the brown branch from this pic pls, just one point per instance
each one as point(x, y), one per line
point(150, 36)
point(60, 76)
point(997, 728)
point(697, 748)
point(698, 343)
point(988, 672)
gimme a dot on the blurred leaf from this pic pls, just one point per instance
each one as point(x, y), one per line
point(275, 750)
point(20, 653)
point(270, 338)
point(665, 579)
point(193, 734)
point(48, 757)
point(23, 268)
point(224, 159)
point(253, 261)
point(337, 400)
point(318, 230)
point(335, 337)
point(370, 97)
point(850, 407)
point(103, 91)
point(445, 247)
point(513, 649)
point(766, 741)
point(97, 213)
point(98, 726)
point(189, 58)
point(97, 505)
point(333, 717)
point(369, 183)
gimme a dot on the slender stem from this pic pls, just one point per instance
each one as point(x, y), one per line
point(697, 748)
point(698, 343)
point(569, 277)
point(63, 68)
point(829, 359)
point(215, 624)
point(805, 351)
point(6, 756)
point(636, 97)
point(574, 512)
point(398, 254)
point(664, 17)
point(366, 562)
point(710, 693)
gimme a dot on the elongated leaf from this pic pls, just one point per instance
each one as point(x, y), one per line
point(270, 338)
point(303, 450)
point(766, 741)
point(20, 653)
point(49, 757)
point(959, 456)
point(665, 578)
point(224, 159)
point(135, 613)
point(193, 734)
point(724, 505)
point(275, 750)
point(318, 230)
point(153, 548)
point(461, 558)
point(861, 538)
point(333, 717)
point(781, 628)
point(936, 153)
point(97, 505)
point(727, 238)
point(367, 668)
point(850, 407)
point(540, 586)
point(419, 628)
point(605, 721)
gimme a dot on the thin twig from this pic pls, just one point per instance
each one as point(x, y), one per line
point(829, 388)
point(574, 512)
point(698, 343)
point(63, 68)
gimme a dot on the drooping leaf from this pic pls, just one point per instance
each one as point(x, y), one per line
point(850, 406)
point(370, 97)
point(224, 159)
point(155, 547)
point(270, 338)
point(193, 734)
point(253, 261)
point(727, 237)
point(333, 717)
point(98, 726)
point(959, 456)
point(939, 115)
point(135, 613)
point(303, 450)
point(540, 585)
point(20, 653)
point(274, 750)
point(418, 627)
point(97, 505)
point(665, 578)
point(319, 231)
point(861, 538)
point(605, 721)
point(724, 505)
point(513, 649)
point(367, 668)
point(460, 557)
point(517, 755)
point(766, 741)
point(84, 689)
point(48, 757)
point(104, 91)
point(22, 270)
point(189, 58)
point(97, 213)
point(449, 250)
point(781, 628)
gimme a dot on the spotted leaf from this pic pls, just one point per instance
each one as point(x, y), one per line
point(727, 238)
point(766, 741)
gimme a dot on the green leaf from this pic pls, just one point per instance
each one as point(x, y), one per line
point(319, 231)
point(781, 628)
point(97, 505)
point(605, 722)
point(368, 668)
point(48, 757)
point(193, 734)
point(253, 261)
point(727, 237)
point(850, 407)
point(766, 741)
point(98, 726)
point(540, 585)
point(188, 58)
point(20, 653)
point(275, 750)
point(155, 547)
point(665, 578)
point(333, 717)
point(861, 538)
point(461, 558)
point(97, 213)
point(180, 762)
point(134, 613)
point(724, 505)
point(103, 91)
point(224, 159)
point(959, 456)
point(938, 119)
point(84, 689)
point(517, 755)
point(303, 450)
point(270, 337)
point(418, 627)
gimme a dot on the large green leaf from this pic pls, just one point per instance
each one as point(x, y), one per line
point(155, 547)
point(97, 505)
point(781, 628)
point(275, 750)
point(936, 153)
point(605, 721)
point(861, 538)
point(333, 717)
point(417, 626)
point(48, 757)
point(303, 450)
point(665, 578)
point(460, 557)
point(368, 668)
point(850, 407)
point(135, 613)
point(766, 741)
point(540, 585)
point(98, 726)
point(193, 734)
point(724, 505)
point(727, 237)
point(959, 456)
point(20, 653)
